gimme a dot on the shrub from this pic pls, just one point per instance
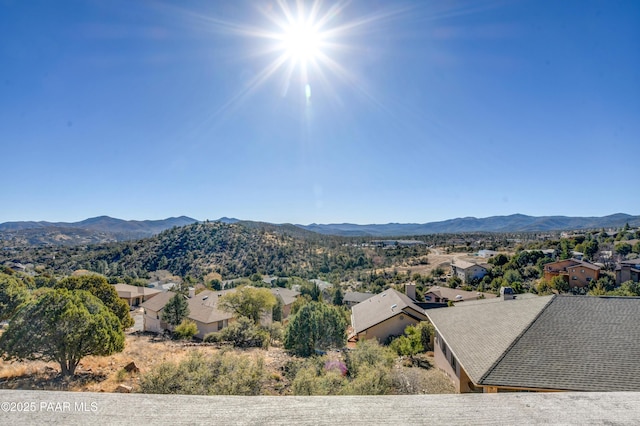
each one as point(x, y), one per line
point(244, 333)
point(371, 380)
point(416, 339)
point(219, 374)
point(186, 330)
point(311, 381)
point(213, 337)
point(315, 327)
point(275, 331)
point(368, 353)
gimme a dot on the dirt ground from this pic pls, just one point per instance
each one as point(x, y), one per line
point(437, 258)
point(105, 374)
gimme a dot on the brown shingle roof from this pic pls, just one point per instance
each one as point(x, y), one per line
point(202, 307)
point(156, 303)
point(129, 291)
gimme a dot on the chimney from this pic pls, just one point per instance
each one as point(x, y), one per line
point(410, 290)
point(192, 292)
point(507, 293)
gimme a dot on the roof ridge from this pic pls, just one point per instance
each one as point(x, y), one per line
point(516, 340)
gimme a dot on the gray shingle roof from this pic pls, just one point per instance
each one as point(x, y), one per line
point(479, 333)
point(288, 296)
point(577, 343)
point(382, 307)
point(453, 293)
point(356, 296)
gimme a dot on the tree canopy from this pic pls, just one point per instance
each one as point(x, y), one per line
point(100, 287)
point(176, 310)
point(62, 326)
point(248, 302)
point(13, 293)
point(316, 326)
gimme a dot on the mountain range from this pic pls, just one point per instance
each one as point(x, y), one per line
point(99, 229)
point(107, 229)
point(511, 223)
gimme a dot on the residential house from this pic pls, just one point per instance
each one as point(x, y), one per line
point(384, 315)
point(486, 253)
point(352, 298)
point(548, 343)
point(152, 318)
point(628, 270)
point(324, 286)
point(468, 271)
point(577, 273)
point(578, 255)
point(287, 297)
point(203, 310)
point(135, 295)
point(437, 294)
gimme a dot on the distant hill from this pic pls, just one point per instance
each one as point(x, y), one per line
point(104, 229)
point(512, 223)
point(99, 229)
point(201, 248)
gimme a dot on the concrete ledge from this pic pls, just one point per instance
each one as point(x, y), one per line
point(71, 408)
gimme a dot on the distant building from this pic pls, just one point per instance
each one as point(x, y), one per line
point(287, 297)
point(486, 253)
point(577, 273)
point(203, 310)
point(437, 294)
point(352, 298)
point(393, 243)
point(628, 270)
point(468, 271)
point(135, 295)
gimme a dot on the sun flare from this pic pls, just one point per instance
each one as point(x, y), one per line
point(301, 42)
point(305, 44)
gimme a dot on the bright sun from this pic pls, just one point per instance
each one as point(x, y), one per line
point(301, 42)
point(306, 39)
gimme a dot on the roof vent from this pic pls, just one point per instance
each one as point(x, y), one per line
point(205, 298)
point(383, 294)
point(394, 306)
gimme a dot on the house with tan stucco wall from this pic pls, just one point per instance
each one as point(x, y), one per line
point(384, 315)
point(203, 310)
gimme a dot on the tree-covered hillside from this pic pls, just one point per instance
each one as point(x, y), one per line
point(231, 250)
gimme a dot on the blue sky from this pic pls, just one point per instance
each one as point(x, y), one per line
point(418, 111)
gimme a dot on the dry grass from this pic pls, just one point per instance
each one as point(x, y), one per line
point(417, 380)
point(97, 374)
point(105, 374)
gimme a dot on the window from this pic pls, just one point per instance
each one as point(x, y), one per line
point(454, 364)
